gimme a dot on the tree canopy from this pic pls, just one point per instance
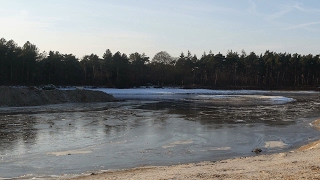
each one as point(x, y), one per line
point(27, 66)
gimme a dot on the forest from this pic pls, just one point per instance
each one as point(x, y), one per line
point(27, 66)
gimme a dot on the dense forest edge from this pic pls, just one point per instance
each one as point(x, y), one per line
point(27, 66)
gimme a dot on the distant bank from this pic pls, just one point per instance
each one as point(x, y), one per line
point(30, 96)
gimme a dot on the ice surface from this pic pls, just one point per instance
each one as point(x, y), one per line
point(164, 91)
point(202, 94)
point(249, 98)
point(157, 127)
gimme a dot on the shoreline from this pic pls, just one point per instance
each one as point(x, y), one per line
point(300, 163)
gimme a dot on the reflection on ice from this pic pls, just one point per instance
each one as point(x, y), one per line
point(275, 144)
point(177, 91)
point(229, 96)
point(173, 144)
point(71, 152)
point(245, 99)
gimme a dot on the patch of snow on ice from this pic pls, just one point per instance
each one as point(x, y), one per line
point(203, 94)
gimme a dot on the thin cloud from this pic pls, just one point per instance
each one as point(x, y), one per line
point(304, 25)
point(303, 9)
point(252, 7)
point(23, 20)
point(205, 8)
point(286, 10)
point(279, 14)
point(291, 8)
point(12, 23)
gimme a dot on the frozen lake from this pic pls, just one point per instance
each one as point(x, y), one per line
point(153, 127)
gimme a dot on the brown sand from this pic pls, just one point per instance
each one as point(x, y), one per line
point(303, 163)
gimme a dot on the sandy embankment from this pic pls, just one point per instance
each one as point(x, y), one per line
point(23, 96)
point(303, 163)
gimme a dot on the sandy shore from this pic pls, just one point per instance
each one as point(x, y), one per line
point(302, 163)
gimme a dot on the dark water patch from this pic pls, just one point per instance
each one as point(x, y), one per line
point(207, 113)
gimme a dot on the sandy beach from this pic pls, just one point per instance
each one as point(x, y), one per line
point(301, 163)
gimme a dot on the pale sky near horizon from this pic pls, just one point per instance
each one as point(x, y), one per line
point(82, 27)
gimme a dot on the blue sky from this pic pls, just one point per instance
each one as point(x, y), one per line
point(83, 27)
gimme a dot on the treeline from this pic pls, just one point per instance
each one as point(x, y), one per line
point(27, 66)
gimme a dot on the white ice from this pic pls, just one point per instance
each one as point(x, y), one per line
point(192, 94)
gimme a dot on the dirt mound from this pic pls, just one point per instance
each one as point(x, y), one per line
point(18, 96)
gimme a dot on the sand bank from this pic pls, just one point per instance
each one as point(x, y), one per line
point(31, 96)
